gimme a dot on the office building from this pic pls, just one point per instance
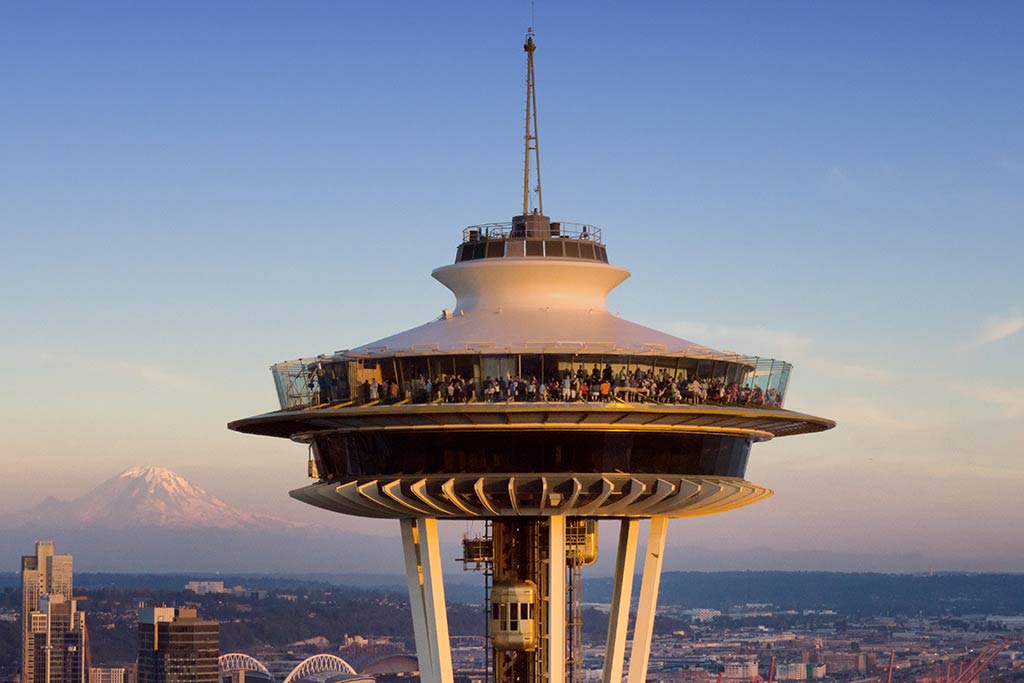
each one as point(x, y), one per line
point(176, 646)
point(740, 671)
point(98, 675)
point(44, 573)
point(59, 643)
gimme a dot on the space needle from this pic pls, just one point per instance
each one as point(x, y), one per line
point(531, 407)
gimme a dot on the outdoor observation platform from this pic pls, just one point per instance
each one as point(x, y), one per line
point(531, 398)
point(532, 236)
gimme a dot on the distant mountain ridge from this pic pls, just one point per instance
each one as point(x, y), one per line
point(150, 519)
point(146, 496)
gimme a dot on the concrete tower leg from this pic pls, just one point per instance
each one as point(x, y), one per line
point(436, 608)
point(426, 599)
point(556, 599)
point(644, 629)
point(618, 617)
point(414, 580)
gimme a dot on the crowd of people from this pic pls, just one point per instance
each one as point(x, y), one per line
point(636, 386)
point(594, 386)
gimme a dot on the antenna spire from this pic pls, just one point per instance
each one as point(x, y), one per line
point(531, 141)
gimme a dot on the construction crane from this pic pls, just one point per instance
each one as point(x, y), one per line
point(980, 663)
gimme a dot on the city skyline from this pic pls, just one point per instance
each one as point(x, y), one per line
point(856, 214)
point(827, 626)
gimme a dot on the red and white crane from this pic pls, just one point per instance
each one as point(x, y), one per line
point(980, 663)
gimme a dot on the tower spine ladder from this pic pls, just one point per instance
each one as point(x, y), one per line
point(540, 560)
point(488, 582)
point(574, 619)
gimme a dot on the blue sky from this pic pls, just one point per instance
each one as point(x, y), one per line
point(191, 192)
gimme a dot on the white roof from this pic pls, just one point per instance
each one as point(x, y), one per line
point(531, 305)
point(532, 331)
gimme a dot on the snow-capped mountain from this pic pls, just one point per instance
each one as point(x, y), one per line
point(149, 519)
point(147, 497)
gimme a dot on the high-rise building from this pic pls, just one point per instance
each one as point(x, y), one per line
point(791, 672)
point(845, 662)
point(44, 573)
point(740, 671)
point(59, 641)
point(176, 646)
point(98, 675)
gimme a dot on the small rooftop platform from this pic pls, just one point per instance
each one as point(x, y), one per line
point(534, 236)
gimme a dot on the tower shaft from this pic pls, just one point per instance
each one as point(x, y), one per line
point(518, 558)
point(528, 600)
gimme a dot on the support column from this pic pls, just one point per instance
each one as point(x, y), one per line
point(556, 599)
point(622, 593)
point(433, 601)
point(644, 628)
point(414, 580)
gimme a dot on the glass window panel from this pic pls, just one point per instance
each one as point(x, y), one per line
point(495, 249)
point(534, 248)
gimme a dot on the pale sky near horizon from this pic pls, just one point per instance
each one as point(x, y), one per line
point(189, 193)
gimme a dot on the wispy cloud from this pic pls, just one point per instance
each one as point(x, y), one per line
point(837, 177)
point(863, 412)
point(849, 371)
point(155, 376)
point(152, 375)
point(1005, 163)
point(1001, 327)
point(1009, 400)
point(959, 471)
point(782, 344)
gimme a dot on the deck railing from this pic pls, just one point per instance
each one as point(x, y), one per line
point(714, 379)
point(565, 229)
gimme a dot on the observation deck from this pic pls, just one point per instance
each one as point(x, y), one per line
point(532, 236)
point(530, 397)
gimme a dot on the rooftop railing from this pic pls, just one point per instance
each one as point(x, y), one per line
point(341, 381)
point(564, 229)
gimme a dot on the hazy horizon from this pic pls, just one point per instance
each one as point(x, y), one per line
point(145, 547)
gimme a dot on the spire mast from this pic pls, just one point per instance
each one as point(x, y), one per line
point(531, 141)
